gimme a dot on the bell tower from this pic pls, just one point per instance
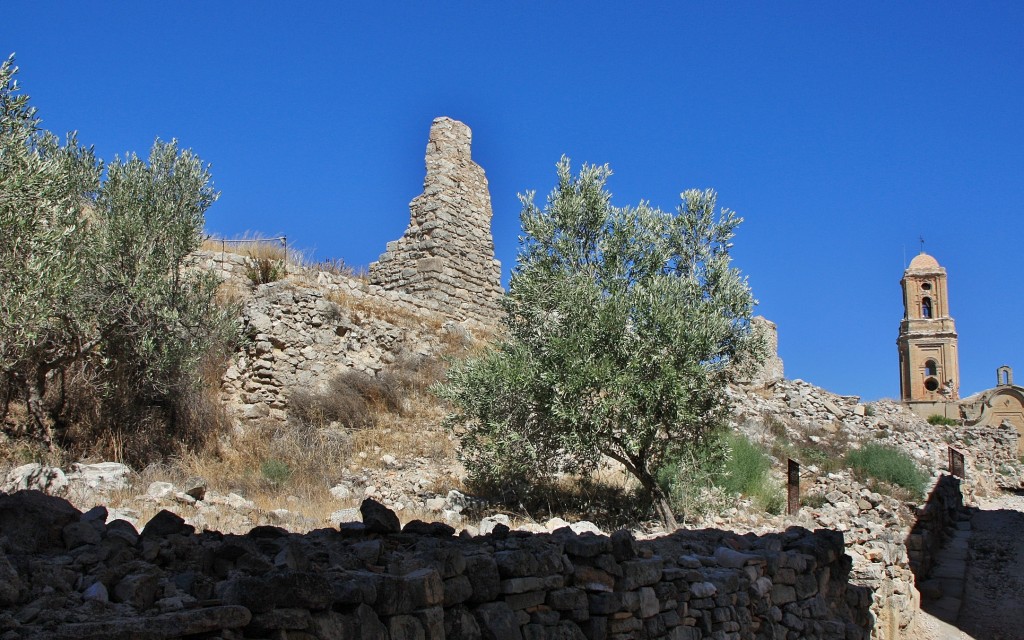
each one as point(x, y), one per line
point(929, 368)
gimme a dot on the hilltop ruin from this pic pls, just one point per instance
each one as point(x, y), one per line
point(447, 252)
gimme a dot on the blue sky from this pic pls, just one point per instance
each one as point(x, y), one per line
point(840, 133)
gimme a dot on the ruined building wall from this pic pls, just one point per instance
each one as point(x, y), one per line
point(447, 252)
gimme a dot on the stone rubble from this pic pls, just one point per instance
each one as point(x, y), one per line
point(892, 543)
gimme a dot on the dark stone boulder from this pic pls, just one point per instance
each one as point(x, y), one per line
point(379, 519)
point(33, 521)
point(166, 523)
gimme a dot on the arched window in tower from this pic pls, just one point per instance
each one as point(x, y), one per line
point(926, 307)
point(929, 368)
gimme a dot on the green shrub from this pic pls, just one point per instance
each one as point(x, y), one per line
point(261, 270)
point(869, 410)
point(106, 331)
point(275, 471)
point(729, 465)
point(888, 465)
point(748, 473)
point(825, 459)
point(936, 419)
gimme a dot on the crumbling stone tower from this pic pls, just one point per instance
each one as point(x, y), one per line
point(446, 255)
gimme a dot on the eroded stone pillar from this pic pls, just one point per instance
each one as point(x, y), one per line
point(447, 253)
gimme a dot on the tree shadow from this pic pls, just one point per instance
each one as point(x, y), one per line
point(609, 506)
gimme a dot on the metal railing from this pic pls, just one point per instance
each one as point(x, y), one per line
point(224, 243)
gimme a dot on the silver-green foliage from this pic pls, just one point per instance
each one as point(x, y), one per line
point(45, 311)
point(157, 316)
point(623, 326)
point(93, 270)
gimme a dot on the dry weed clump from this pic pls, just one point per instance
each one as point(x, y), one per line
point(383, 413)
point(823, 446)
point(339, 267)
point(352, 399)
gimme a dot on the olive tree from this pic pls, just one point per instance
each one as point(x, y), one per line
point(46, 320)
point(95, 272)
point(622, 328)
point(158, 318)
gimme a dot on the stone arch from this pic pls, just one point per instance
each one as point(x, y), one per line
point(1004, 376)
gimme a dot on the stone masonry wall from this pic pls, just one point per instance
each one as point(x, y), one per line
point(772, 369)
point(301, 331)
point(447, 252)
point(64, 574)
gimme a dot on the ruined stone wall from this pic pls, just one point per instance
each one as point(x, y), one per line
point(892, 543)
point(447, 253)
point(64, 574)
point(301, 331)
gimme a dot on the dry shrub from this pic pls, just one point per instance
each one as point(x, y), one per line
point(352, 399)
point(393, 412)
point(358, 400)
point(141, 436)
point(339, 267)
point(264, 270)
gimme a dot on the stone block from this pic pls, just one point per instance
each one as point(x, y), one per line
point(567, 599)
point(783, 594)
point(457, 590)
point(482, 571)
point(498, 622)
point(460, 623)
point(415, 590)
point(640, 573)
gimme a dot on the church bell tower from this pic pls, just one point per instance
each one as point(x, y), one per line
point(929, 368)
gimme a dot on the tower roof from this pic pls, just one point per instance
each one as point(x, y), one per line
point(923, 261)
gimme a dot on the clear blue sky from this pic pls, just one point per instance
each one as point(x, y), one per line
point(841, 133)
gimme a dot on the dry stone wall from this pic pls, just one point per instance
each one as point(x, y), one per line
point(447, 253)
point(65, 574)
point(301, 331)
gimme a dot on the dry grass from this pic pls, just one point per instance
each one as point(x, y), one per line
point(339, 267)
point(259, 247)
point(390, 413)
point(386, 311)
point(256, 245)
point(293, 466)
